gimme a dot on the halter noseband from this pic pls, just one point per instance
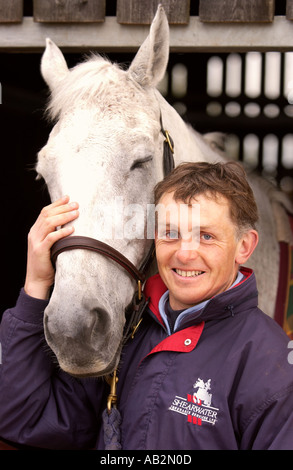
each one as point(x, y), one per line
point(91, 244)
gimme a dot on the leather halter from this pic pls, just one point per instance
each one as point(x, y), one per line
point(87, 243)
point(139, 302)
point(91, 244)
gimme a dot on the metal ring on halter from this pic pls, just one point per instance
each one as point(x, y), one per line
point(112, 397)
point(168, 140)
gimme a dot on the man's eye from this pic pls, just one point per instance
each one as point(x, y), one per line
point(172, 234)
point(167, 234)
point(207, 237)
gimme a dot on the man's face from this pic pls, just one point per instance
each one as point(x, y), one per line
point(209, 264)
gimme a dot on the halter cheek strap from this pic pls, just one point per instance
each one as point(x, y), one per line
point(168, 151)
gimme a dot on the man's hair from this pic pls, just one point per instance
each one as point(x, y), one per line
point(228, 179)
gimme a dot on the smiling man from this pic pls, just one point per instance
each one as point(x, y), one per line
point(206, 368)
point(206, 263)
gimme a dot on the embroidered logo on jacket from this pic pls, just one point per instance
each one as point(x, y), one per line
point(197, 406)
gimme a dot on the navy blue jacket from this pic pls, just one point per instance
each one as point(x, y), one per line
point(222, 380)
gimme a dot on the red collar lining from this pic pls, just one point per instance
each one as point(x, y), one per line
point(181, 341)
point(155, 288)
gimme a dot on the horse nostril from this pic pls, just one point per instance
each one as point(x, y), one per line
point(101, 325)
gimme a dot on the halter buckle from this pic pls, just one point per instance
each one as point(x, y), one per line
point(168, 140)
point(112, 397)
point(134, 328)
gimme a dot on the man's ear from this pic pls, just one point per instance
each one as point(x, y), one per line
point(246, 246)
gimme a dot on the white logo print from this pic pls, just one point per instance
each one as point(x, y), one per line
point(202, 394)
point(197, 406)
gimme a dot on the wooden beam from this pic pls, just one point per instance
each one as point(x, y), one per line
point(236, 11)
point(69, 11)
point(143, 11)
point(11, 11)
point(289, 9)
point(111, 36)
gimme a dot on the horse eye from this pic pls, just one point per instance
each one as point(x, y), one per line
point(140, 162)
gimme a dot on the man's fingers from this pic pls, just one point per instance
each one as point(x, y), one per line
point(60, 202)
point(50, 223)
point(53, 237)
point(43, 234)
point(57, 209)
point(55, 215)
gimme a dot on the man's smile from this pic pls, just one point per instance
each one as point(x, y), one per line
point(185, 273)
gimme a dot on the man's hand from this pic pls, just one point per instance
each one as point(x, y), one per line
point(43, 234)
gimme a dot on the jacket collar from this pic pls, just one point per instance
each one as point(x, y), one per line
point(241, 297)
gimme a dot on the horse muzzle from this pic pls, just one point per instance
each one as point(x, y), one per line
point(84, 349)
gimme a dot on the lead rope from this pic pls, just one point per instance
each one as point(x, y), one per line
point(111, 415)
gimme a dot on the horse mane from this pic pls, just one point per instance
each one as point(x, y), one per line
point(83, 84)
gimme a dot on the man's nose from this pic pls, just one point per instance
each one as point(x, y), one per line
point(187, 251)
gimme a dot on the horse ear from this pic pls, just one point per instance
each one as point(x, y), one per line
point(53, 64)
point(149, 65)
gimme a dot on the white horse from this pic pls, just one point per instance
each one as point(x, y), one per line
point(107, 143)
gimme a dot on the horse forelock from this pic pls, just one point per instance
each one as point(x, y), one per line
point(96, 80)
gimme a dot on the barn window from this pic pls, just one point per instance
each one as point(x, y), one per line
point(287, 151)
point(253, 69)
point(270, 154)
point(252, 94)
point(215, 76)
point(179, 80)
point(272, 76)
point(233, 75)
point(251, 150)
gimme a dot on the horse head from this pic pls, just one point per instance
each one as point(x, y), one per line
point(105, 151)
